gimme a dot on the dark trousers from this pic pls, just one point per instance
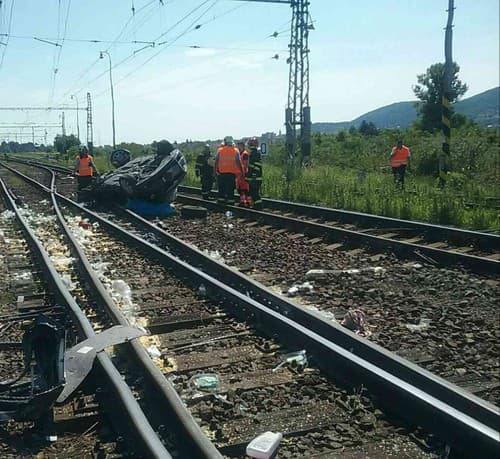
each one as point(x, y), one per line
point(227, 184)
point(84, 181)
point(255, 192)
point(399, 175)
point(206, 185)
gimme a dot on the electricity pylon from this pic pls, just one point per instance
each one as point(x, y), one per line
point(298, 111)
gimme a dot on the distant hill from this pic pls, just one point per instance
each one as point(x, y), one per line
point(482, 108)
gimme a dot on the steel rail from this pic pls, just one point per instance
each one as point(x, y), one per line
point(134, 421)
point(198, 445)
point(356, 238)
point(376, 354)
point(440, 388)
point(483, 240)
point(412, 403)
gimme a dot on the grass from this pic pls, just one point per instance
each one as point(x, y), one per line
point(374, 192)
point(351, 171)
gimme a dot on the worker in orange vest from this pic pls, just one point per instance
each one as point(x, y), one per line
point(84, 168)
point(227, 167)
point(242, 185)
point(400, 160)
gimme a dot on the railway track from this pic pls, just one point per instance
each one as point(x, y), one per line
point(440, 245)
point(360, 347)
point(30, 287)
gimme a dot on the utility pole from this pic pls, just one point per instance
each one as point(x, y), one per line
point(298, 111)
point(63, 126)
point(77, 118)
point(112, 94)
point(446, 104)
point(90, 130)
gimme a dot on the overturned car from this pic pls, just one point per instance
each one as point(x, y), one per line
point(149, 179)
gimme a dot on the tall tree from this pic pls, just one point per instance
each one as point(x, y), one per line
point(64, 142)
point(430, 91)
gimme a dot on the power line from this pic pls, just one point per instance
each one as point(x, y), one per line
point(58, 59)
point(112, 43)
point(131, 56)
point(8, 31)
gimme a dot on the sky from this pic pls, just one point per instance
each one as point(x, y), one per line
point(363, 55)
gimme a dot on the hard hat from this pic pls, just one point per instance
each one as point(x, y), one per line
point(253, 142)
point(228, 140)
point(83, 148)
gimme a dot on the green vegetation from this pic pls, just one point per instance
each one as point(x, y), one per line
point(430, 92)
point(352, 171)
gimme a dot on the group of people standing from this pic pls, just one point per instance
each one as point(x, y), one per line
point(235, 167)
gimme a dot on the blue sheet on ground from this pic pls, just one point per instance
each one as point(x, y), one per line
point(150, 209)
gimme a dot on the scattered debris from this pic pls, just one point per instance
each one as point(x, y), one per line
point(205, 382)
point(7, 215)
point(355, 320)
point(154, 352)
point(264, 446)
point(422, 325)
point(323, 274)
point(294, 359)
point(300, 288)
point(215, 255)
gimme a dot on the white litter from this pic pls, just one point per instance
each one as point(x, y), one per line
point(154, 352)
point(7, 215)
point(70, 285)
point(202, 290)
point(215, 255)
point(300, 288)
point(264, 446)
point(422, 325)
point(298, 358)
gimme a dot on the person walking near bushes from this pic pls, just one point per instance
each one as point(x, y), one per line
point(400, 161)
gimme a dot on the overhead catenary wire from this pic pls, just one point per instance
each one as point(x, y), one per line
point(227, 49)
point(58, 59)
point(111, 44)
point(168, 44)
point(133, 54)
point(9, 28)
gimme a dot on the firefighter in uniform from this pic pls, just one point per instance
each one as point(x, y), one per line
point(241, 182)
point(84, 168)
point(254, 176)
point(227, 168)
point(204, 169)
point(400, 157)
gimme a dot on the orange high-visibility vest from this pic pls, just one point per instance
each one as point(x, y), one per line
point(400, 157)
point(227, 163)
point(84, 169)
